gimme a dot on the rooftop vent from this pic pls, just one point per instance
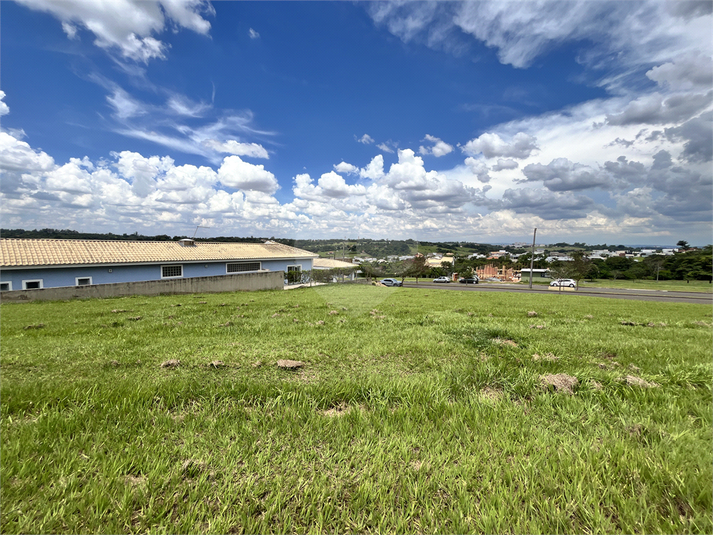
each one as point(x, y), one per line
point(187, 242)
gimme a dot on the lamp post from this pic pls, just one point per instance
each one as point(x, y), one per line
point(532, 256)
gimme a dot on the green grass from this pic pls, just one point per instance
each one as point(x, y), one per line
point(671, 286)
point(414, 413)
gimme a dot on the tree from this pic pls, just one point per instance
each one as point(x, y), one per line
point(417, 267)
point(370, 270)
point(466, 273)
point(579, 266)
point(683, 244)
point(655, 262)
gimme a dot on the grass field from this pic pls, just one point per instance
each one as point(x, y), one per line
point(415, 411)
point(670, 286)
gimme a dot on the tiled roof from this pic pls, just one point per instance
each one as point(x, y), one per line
point(19, 252)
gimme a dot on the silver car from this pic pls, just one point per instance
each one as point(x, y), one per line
point(571, 283)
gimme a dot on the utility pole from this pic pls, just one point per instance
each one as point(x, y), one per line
point(532, 257)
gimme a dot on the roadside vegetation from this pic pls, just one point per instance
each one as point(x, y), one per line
point(408, 411)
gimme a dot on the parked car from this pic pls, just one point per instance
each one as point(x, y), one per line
point(564, 282)
point(441, 279)
point(493, 279)
point(391, 282)
point(468, 280)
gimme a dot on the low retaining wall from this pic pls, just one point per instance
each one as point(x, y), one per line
point(238, 282)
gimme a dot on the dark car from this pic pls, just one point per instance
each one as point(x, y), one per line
point(468, 280)
point(391, 282)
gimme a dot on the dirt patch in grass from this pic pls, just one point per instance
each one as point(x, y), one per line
point(633, 380)
point(549, 357)
point(340, 410)
point(596, 385)
point(135, 481)
point(505, 342)
point(192, 469)
point(532, 314)
point(634, 430)
point(702, 324)
point(171, 363)
point(560, 382)
point(287, 364)
point(36, 326)
point(491, 394)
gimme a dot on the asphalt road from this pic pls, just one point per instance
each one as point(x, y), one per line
point(611, 293)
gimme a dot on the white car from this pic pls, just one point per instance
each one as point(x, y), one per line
point(442, 279)
point(564, 282)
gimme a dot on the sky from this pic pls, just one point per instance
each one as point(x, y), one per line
point(471, 121)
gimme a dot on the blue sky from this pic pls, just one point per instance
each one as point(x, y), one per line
point(470, 121)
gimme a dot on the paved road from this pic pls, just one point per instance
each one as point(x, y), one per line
point(612, 293)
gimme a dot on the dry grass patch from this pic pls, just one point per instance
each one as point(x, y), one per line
point(136, 481)
point(596, 385)
point(491, 394)
point(287, 364)
point(547, 356)
point(633, 380)
point(340, 410)
point(505, 342)
point(560, 382)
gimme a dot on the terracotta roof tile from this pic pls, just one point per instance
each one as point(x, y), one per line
point(19, 252)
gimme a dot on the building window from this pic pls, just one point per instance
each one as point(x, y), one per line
point(238, 267)
point(294, 274)
point(171, 272)
point(5, 286)
point(83, 281)
point(32, 284)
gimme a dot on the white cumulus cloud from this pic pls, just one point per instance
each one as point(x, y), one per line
point(491, 145)
point(236, 173)
point(438, 149)
point(251, 150)
point(344, 167)
point(127, 25)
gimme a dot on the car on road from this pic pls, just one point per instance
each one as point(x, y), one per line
point(441, 279)
point(571, 283)
point(391, 282)
point(468, 280)
point(493, 279)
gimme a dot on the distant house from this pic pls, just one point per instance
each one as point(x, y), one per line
point(328, 263)
point(536, 273)
point(437, 261)
point(35, 264)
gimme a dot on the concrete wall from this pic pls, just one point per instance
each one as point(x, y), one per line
point(264, 280)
